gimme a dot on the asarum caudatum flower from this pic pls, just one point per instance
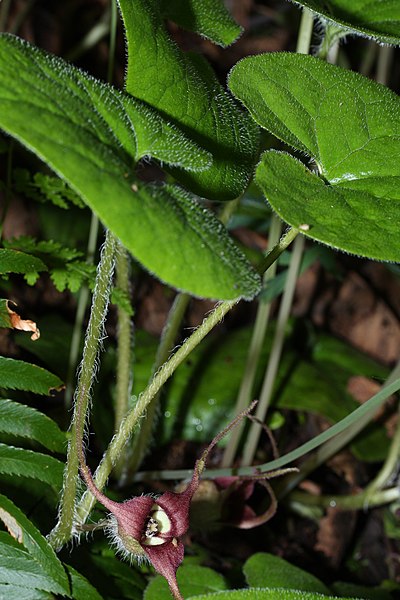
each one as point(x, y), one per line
point(151, 528)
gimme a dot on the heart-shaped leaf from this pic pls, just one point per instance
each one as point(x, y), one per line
point(379, 19)
point(350, 127)
point(184, 88)
point(77, 126)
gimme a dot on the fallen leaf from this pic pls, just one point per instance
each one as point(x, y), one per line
point(23, 325)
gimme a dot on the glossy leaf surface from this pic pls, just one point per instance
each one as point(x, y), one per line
point(379, 19)
point(184, 89)
point(77, 126)
point(350, 127)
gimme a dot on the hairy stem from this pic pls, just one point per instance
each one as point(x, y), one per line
point(167, 342)
point(166, 345)
point(163, 374)
point(94, 334)
point(124, 347)
point(83, 299)
point(124, 351)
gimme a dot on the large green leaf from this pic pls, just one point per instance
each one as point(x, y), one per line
point(264, 569)
point(265, 594)
point(184, 88)
point(26, 463)
point(208, 18)
point(379, 19)
point(350, 127)
point(193, 580)
point(77, 125)
point(24, 532)
point(20, 375)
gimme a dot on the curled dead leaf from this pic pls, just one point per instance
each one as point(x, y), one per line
point(23, 325)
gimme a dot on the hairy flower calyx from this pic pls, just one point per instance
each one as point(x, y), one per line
point(152, 528)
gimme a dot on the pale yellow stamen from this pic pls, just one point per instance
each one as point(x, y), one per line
point(158, 522)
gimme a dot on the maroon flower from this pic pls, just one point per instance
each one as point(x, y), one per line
point(235, 510)
point(151, 528)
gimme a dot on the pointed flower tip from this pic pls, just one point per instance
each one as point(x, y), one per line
point(151, 528)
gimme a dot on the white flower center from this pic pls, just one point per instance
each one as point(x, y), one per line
point(157, 523)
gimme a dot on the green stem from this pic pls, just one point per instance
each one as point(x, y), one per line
point(83, 299)
point(353, 502)
point(333, 446)
point(276, 351)
point(391, 462)
point(253, 356)
point(163, 374)
point(124, 348)
point(83, 296)
point(169, 334)
point(362, 414)
point(64, 528)
point(305, 32)
point(167, 342)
